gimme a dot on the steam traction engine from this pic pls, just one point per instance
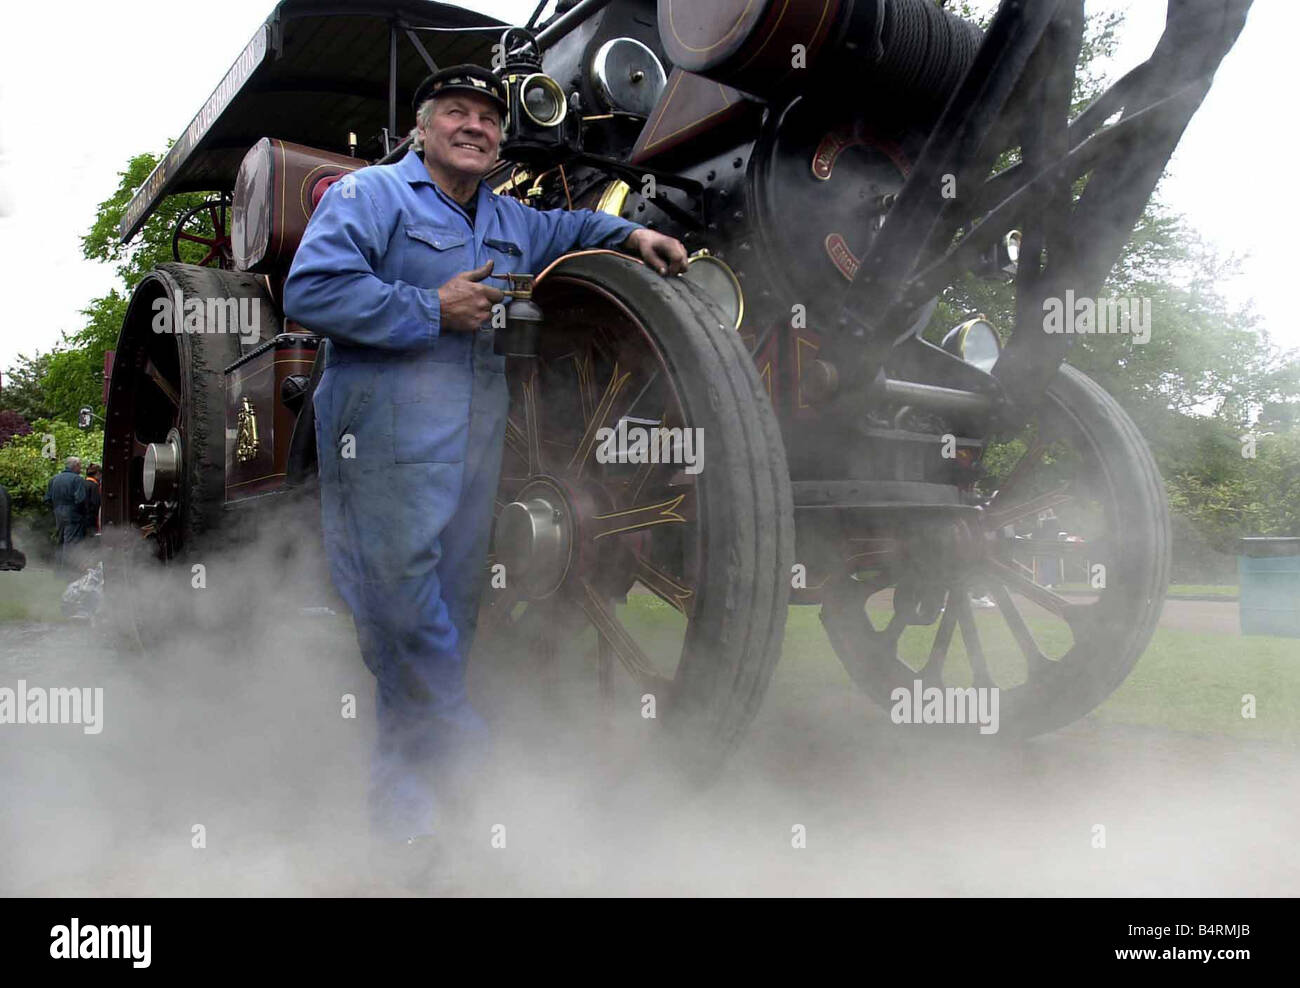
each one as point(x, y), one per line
point(834, 166)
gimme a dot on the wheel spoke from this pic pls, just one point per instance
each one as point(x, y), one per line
point(663, 586)
point(545, 624)
point(603, 417)
point(195, 239)
point(1019, 630)
point(1018, 473)
point(870, 552)
point(586, 384)
point(646, 470)
point(959, 601)
point(894, 629)
point(625, 647)
point(649, 383)
point(165, 386)
point(995, 518)
point(672, 510)
point(942, 642)
point(1041, 596)
point(532, 425)
point(663, 480)
point(516, 440)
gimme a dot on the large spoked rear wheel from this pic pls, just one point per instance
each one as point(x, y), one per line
point(666, 556)
point(166, 420)
point(1049, 591)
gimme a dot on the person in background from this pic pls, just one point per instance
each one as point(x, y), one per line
point(67, 496)
point(93, 499)
point(1047, 568)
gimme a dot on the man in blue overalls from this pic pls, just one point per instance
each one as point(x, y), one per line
point(411, 410)
point(67, 496)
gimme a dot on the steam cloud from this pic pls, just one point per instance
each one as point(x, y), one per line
point(236, 726)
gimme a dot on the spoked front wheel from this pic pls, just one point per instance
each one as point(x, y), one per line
point(1049, 590)
point(644, 504)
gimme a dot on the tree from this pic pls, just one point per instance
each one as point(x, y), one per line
point(74, 376)
point(71, 376)
point(22, 387)
point(27, 462)
point(153, 244)
point(1207, 378)
point(12, 424)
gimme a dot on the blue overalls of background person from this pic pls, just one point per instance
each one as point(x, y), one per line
point(410, 424)
point(67, 495)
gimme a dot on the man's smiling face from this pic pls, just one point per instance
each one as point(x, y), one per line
point(464, 134)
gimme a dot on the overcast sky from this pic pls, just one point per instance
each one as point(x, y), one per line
point(100, 82)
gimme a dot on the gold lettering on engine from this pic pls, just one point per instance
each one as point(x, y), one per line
point(832, 145)
point(843, 258)
point(246, 445)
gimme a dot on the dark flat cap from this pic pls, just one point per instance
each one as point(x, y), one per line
point(463, 78)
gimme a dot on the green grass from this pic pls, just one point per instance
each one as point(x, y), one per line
point(1185, 681)
point(1204, 590)
point(1193, 681)
point(1182, 589)
point(32, 594)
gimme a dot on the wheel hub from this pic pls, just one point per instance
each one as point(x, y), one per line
point(534, 539)
point(162, 468)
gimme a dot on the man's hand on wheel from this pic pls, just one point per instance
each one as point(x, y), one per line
point(665, 254)
point(466, 302)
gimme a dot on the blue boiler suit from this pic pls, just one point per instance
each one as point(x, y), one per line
point(410, 424)
point(67, 496)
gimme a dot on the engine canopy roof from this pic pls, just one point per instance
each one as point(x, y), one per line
point(314, 71)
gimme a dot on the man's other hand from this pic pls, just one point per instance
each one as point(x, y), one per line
point(466, 302)
point(665, 254)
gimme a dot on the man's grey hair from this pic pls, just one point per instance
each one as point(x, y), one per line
point(423, 117)
point(73, 463)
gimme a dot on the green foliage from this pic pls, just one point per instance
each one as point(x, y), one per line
point(27, 463)
point(1207, 377)
point(75, 371)
point(22, 392)
point(1100, 41)
point(999, 459)
point(1204, 357)
point(59, 383)
point(12, 424)
point(1228, 495)
point(153, 244)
